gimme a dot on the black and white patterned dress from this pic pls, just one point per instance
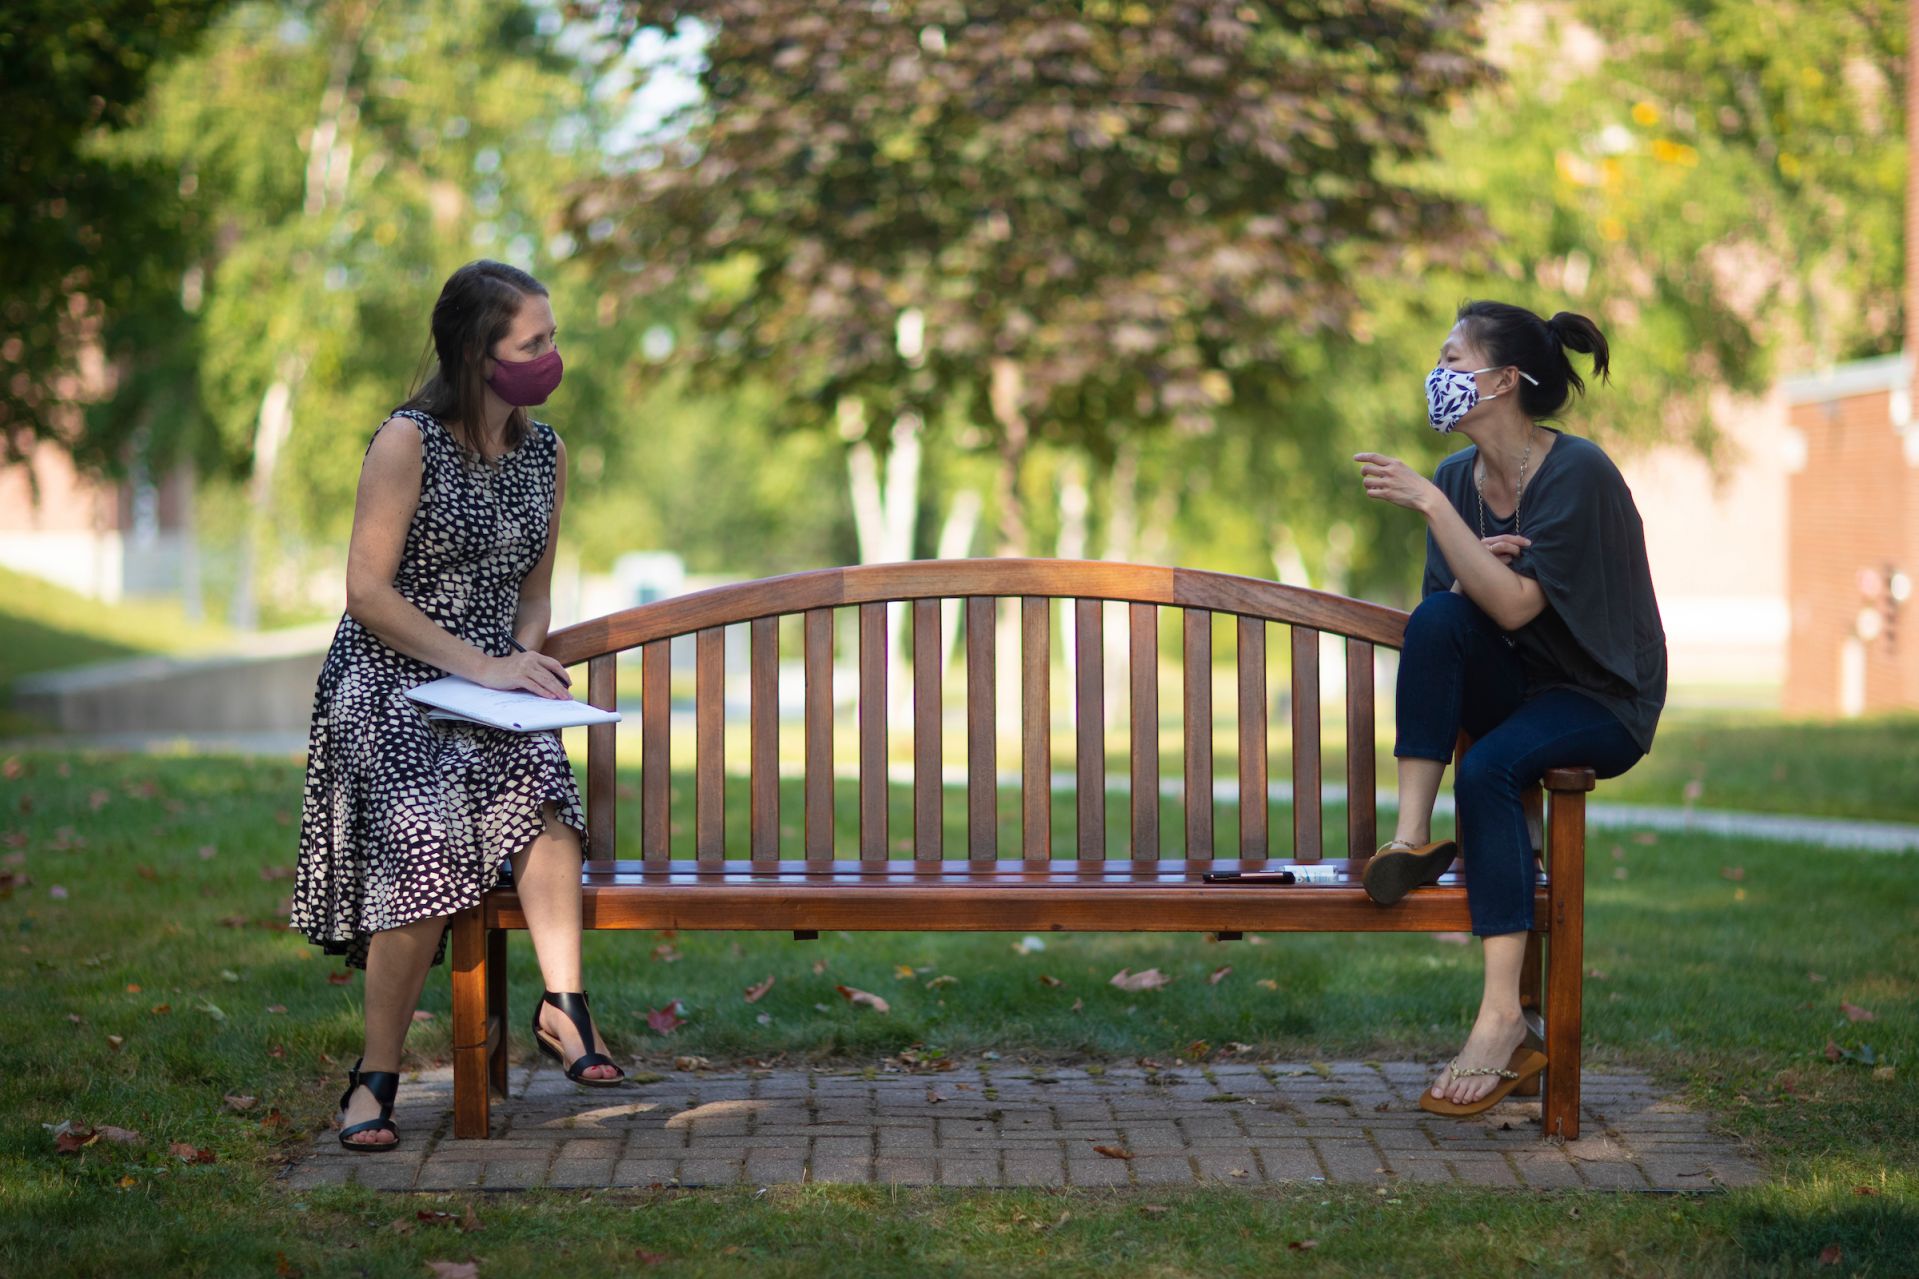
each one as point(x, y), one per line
point(407, 818)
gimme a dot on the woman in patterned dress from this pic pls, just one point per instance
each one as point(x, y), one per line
point(407, 820)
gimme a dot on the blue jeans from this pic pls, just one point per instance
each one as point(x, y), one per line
point(1456, 671)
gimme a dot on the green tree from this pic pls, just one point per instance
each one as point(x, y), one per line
point(1064, 222)
point(87, 239)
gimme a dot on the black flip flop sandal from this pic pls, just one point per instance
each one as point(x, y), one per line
point(385, 1086)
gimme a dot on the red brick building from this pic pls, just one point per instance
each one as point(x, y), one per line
point(1852, 541)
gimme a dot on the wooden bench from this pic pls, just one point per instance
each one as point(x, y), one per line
point(1147, 887)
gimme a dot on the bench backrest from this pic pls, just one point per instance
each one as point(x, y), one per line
point(983, 584)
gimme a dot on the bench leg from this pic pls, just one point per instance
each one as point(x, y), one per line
point(496, 1010)
point(470, 987)
point(1565, 959)
point(1531, 986)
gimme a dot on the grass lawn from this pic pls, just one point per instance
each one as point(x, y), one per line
point(171, 872)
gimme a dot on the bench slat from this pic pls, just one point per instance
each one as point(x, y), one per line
point(1089, 648)
point(1252, 738)
point(1143, 661)
point(765, 717)
point(656, 816)
point(1036, 728)
point(982, 729)
point(709, 714)
point(1306, 771)
point(602, 785)
point(1362, 818)
point(1197, 656)
point(819, 733)
point(928, 826)
point(873, 732)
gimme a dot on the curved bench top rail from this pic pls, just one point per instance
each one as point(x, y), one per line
point(951, 579)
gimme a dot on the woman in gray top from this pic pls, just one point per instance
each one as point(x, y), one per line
point(1538, 635)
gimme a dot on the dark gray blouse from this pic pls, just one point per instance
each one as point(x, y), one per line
point(1600, 631)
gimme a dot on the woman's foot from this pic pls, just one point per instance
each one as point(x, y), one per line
point(1491, 1045)
point(362, 1106)
point(558, 1026)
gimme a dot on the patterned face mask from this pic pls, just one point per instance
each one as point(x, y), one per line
point(1452, 393)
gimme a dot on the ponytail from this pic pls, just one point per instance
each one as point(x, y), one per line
point(1513, 335)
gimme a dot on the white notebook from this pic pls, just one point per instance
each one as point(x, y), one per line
point(453, 698)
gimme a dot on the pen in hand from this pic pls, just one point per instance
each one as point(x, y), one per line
point(514, 641)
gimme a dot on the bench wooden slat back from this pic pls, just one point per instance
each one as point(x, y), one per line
point(979, 585)
point(928, 827)
point(765, 717)
point(873, 732)
point(1197, 657)
point(1362, 825)
point(982, 730)
point(709, 714)
point(1143, 659)
point(655, 751)
point(1252, 738)
point(1036, 731)
point(1306, 823)
point(1089, 651)
point(819, 734)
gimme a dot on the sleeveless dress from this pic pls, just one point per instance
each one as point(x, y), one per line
point(407, 818)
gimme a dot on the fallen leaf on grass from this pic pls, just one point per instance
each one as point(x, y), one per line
point(276, 1008)
point(1047, 979)
point(666, 953)
point(1302, 1245)
point(239, 1103)
point(902, 972)
point(1831, 1255)
point(1865, 1190)
point(757, 992)
point(942, 980)
point(187, 1154)
point(58, 893)
point(1854, 1012)
point(1151, 979)
point(667, 1020)
point(421, 1014)
point(819, 966)
point(1079, 1005)
point(339, 979)
point(1883, 1074)
point(1219, 974)
point(454, 1269)
point(1267, 983)
point(1112, 1152)
point(646, 1258)
point(1815, 977)
point(115, 1042)
point(1647, 837)
point(871, 1000)
point(161, 1009)
point(270, 873)
point(692, 1063)
point(1733, 872)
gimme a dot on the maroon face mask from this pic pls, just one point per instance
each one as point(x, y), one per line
point(523, 383)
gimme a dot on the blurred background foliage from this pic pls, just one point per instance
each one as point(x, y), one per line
point(1140, 277)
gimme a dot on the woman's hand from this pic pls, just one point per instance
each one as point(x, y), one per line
point(533, 672)
point(1506, 546)
point(1391, 480)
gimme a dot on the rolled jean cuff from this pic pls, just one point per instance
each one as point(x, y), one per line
point(1402, 751)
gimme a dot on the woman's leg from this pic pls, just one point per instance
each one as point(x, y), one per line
point(1559, 728)
point(1454, 668)
point(547, 876)
point(396, 966)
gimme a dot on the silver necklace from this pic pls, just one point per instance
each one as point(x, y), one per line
point(1519, 488)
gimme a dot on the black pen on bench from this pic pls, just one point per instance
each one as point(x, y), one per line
point(564, 677)
point(1248, 877)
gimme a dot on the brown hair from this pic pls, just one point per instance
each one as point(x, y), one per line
point(475, 310)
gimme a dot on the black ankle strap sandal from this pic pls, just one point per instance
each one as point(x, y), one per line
point(573, 1005)
point(384, 1085)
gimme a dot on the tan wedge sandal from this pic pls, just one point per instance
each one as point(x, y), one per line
point(1398, 868)
point(1527, 1061)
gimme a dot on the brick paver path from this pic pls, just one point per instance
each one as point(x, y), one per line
point(999, 1123)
